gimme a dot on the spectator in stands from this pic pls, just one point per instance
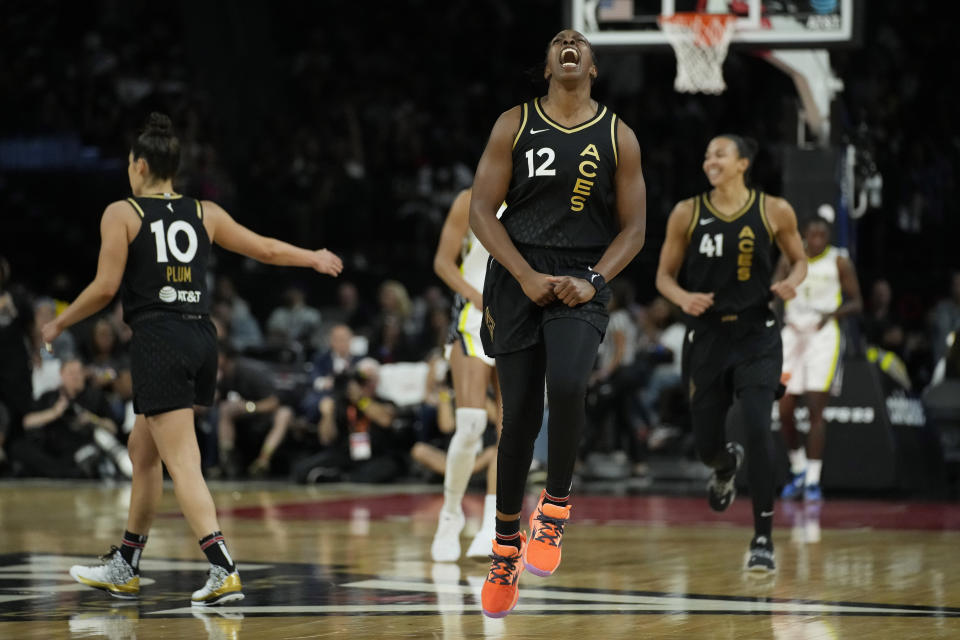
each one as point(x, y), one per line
point(881, 326)
point(65, 346)
point(69, 432)
point(356, 431)
point(295, 321)
point(661, 351)
point(348, 310)
point(945, 318)
point(326, 367)
point(613, 381)
point(108, 367)
point(244, 331)
point(17, 340)
point(252, 423)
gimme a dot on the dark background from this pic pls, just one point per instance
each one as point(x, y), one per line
point(351, 125)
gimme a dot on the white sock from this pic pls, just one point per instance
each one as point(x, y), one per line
point(798, 460)
point(461, 456)
point(489, 522)
point(813, 471)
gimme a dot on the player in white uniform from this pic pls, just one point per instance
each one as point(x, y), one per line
point(812, 350)
point(472, 373)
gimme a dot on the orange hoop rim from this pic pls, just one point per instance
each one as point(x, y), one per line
point(701, 25)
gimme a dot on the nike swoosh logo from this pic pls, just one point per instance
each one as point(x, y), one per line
point(765, 514)
point(534, 132)
point(706, 221)
point(770, 323)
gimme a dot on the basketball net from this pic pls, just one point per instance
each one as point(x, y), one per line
point(700, 41)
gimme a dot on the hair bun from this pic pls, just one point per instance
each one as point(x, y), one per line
point(159, 123)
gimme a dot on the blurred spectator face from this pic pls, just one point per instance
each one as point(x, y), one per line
point(104, 338)
point(816, 236)
point(394, 298)
point(881, 294)
point(294, 297)
point(347, 295)
point(369, 370)
point(71, 377)
point(340, 337)
point(659, 312)
point(45, 311)
point(225, 288)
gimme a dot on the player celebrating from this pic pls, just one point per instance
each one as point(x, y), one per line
point(812, 345)
point(569, 172)
point(725, 238)
point(157, 244)
point(472, 372)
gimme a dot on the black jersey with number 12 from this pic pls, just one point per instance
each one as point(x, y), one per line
point(730, 255)
point(561, 193)
point(167, 260)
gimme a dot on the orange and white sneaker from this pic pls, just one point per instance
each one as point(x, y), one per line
point(500, 591)
point(542, 556)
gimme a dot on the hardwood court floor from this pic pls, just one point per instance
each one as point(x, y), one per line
point(325, 562)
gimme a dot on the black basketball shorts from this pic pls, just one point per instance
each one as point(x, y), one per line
point(173, 362)
point(512, 321)
point(721, 359)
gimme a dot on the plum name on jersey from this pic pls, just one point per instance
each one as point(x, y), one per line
point(179, 273)
point(584, 185)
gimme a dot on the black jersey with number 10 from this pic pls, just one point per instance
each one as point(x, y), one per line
point(561, 193)
point(730, 255)
point(167, 260)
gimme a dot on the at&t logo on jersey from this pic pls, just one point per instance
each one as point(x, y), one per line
point(169, 294)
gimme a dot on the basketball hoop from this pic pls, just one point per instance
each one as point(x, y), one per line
point(700, 41)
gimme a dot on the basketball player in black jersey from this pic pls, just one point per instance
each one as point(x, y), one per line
point(724, 240)
point(569, 172)
point(157, 246)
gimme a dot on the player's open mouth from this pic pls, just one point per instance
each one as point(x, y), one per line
point(569, 57)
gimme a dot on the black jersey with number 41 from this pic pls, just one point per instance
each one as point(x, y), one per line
point(561, 193)
point(730, 255)
point(167, 260)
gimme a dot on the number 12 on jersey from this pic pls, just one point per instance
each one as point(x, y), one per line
point(544, 168)
point(712, 246)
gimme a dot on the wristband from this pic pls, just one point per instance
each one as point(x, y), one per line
point(363, 403)
point(597, 280)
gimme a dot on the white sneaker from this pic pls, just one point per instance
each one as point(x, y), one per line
point(446, 542)
point(114, 575)
point(482, 545)
point(222, 587)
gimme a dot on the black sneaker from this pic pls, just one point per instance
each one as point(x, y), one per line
point(760, 558)
point(721, 489)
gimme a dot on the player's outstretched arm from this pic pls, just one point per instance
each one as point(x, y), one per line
point(233, 236)
point(783, 220)
point(489, 190)
point(448, 249)
point(671, 259)
point(114, 241)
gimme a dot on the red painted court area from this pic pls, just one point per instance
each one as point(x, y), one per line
point(633, 510)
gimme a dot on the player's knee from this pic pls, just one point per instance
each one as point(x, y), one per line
point(470, 423)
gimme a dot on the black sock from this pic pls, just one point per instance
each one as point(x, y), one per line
point(508, 532)
point(131, 547)
point(549, 498)
point(763, 525)
point(215, 549)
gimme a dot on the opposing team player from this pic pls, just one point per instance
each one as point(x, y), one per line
point(812, 351)
point(157, 245)
point(569, 172)
point(473, 371)
point(725, 239)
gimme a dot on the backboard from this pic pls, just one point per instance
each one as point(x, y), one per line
point(806, 24)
